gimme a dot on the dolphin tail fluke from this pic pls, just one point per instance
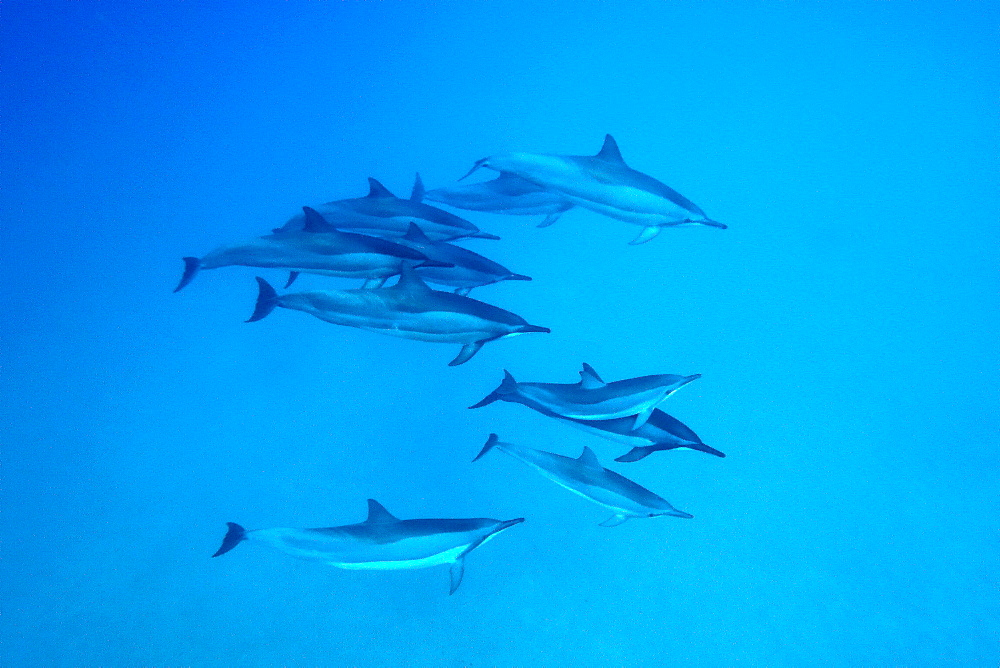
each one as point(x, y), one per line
point(492, 441)
point(635, 454)
point(267, 299)
point(507, 386)
point(486, 401)
point(549, 219)
point(191, 267)
point(467, 352)
point(233, 537)
point(292, 275)
point(614, 520)
point(644, 236)
point(457, 573)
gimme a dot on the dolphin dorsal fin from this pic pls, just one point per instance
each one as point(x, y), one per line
point(411, 282)
point(588, 458)
point(377, 514)
point(589, 380)
point(315, 222)
point(415, 234)
point(376, 189)
point(610, 151)
point(418, 189)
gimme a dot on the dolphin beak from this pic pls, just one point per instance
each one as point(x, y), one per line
point(479, 163)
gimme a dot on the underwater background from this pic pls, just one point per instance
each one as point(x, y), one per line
point(845, 326)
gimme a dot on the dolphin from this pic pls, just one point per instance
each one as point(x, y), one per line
point(660, 432)
point(592, 398)
point(319, 248)
point(383, 214)
point(409, 310)
point(585, 476)
point(605, 184)
point(381, 542)
point(458, 267)
point(507, 194)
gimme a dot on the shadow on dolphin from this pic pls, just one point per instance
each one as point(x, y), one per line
point(381, 542)
point(382, 214)
point(585, 476)
point(605, 184)
point(507, 194)
point(592, 398)
point(409, 310)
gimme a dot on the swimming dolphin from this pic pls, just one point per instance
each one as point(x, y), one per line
point(458, 267)
point(585, 476)
point(409, 310)
point(592, 398)
point(605, 184)
point(660, 432)
point(507, 194)
point(383, 214)
point(318, 248)
point(381, 542)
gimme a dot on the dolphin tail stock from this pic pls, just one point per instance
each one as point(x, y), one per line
point(267, 299)
point(191, 267)
point(234, 536)
point(507, 386)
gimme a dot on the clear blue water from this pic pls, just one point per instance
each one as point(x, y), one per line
point(845, 325)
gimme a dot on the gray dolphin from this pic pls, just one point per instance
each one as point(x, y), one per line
point(585, 476)
point(458, 267)
point(383, 214)
point(592, 398)
point(605, 184)
point(409, 310)
point(660, 432)
point(381, 542)
point(318, 248)
point(508, 194)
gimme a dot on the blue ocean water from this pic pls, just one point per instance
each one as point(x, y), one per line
point(845, 326)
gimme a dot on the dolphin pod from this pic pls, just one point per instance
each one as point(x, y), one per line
point(410, 310)
point(381, 542)
point(605, 184)
point(379, 236)
point(585, 476)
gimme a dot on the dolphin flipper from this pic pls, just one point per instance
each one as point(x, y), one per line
point(461, 292)
point(191, 267)
point(457, 572)
point(637, 453)
point(549, 219)
point(468, 350)
point(644, 236)
point(643, 417)
point(614, 520)
point(374, 283)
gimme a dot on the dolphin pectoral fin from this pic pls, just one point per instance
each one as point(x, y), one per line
point(191, 267)
point(461, 292)
point(233, 537)
point(374, 283)
point(549, 219)
point(468, 350)
point(642, 417)
point(644, 236)
point(614, 520)
point(457, 572)
point(637, 453)
point(292, 275)
point(267, 299)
